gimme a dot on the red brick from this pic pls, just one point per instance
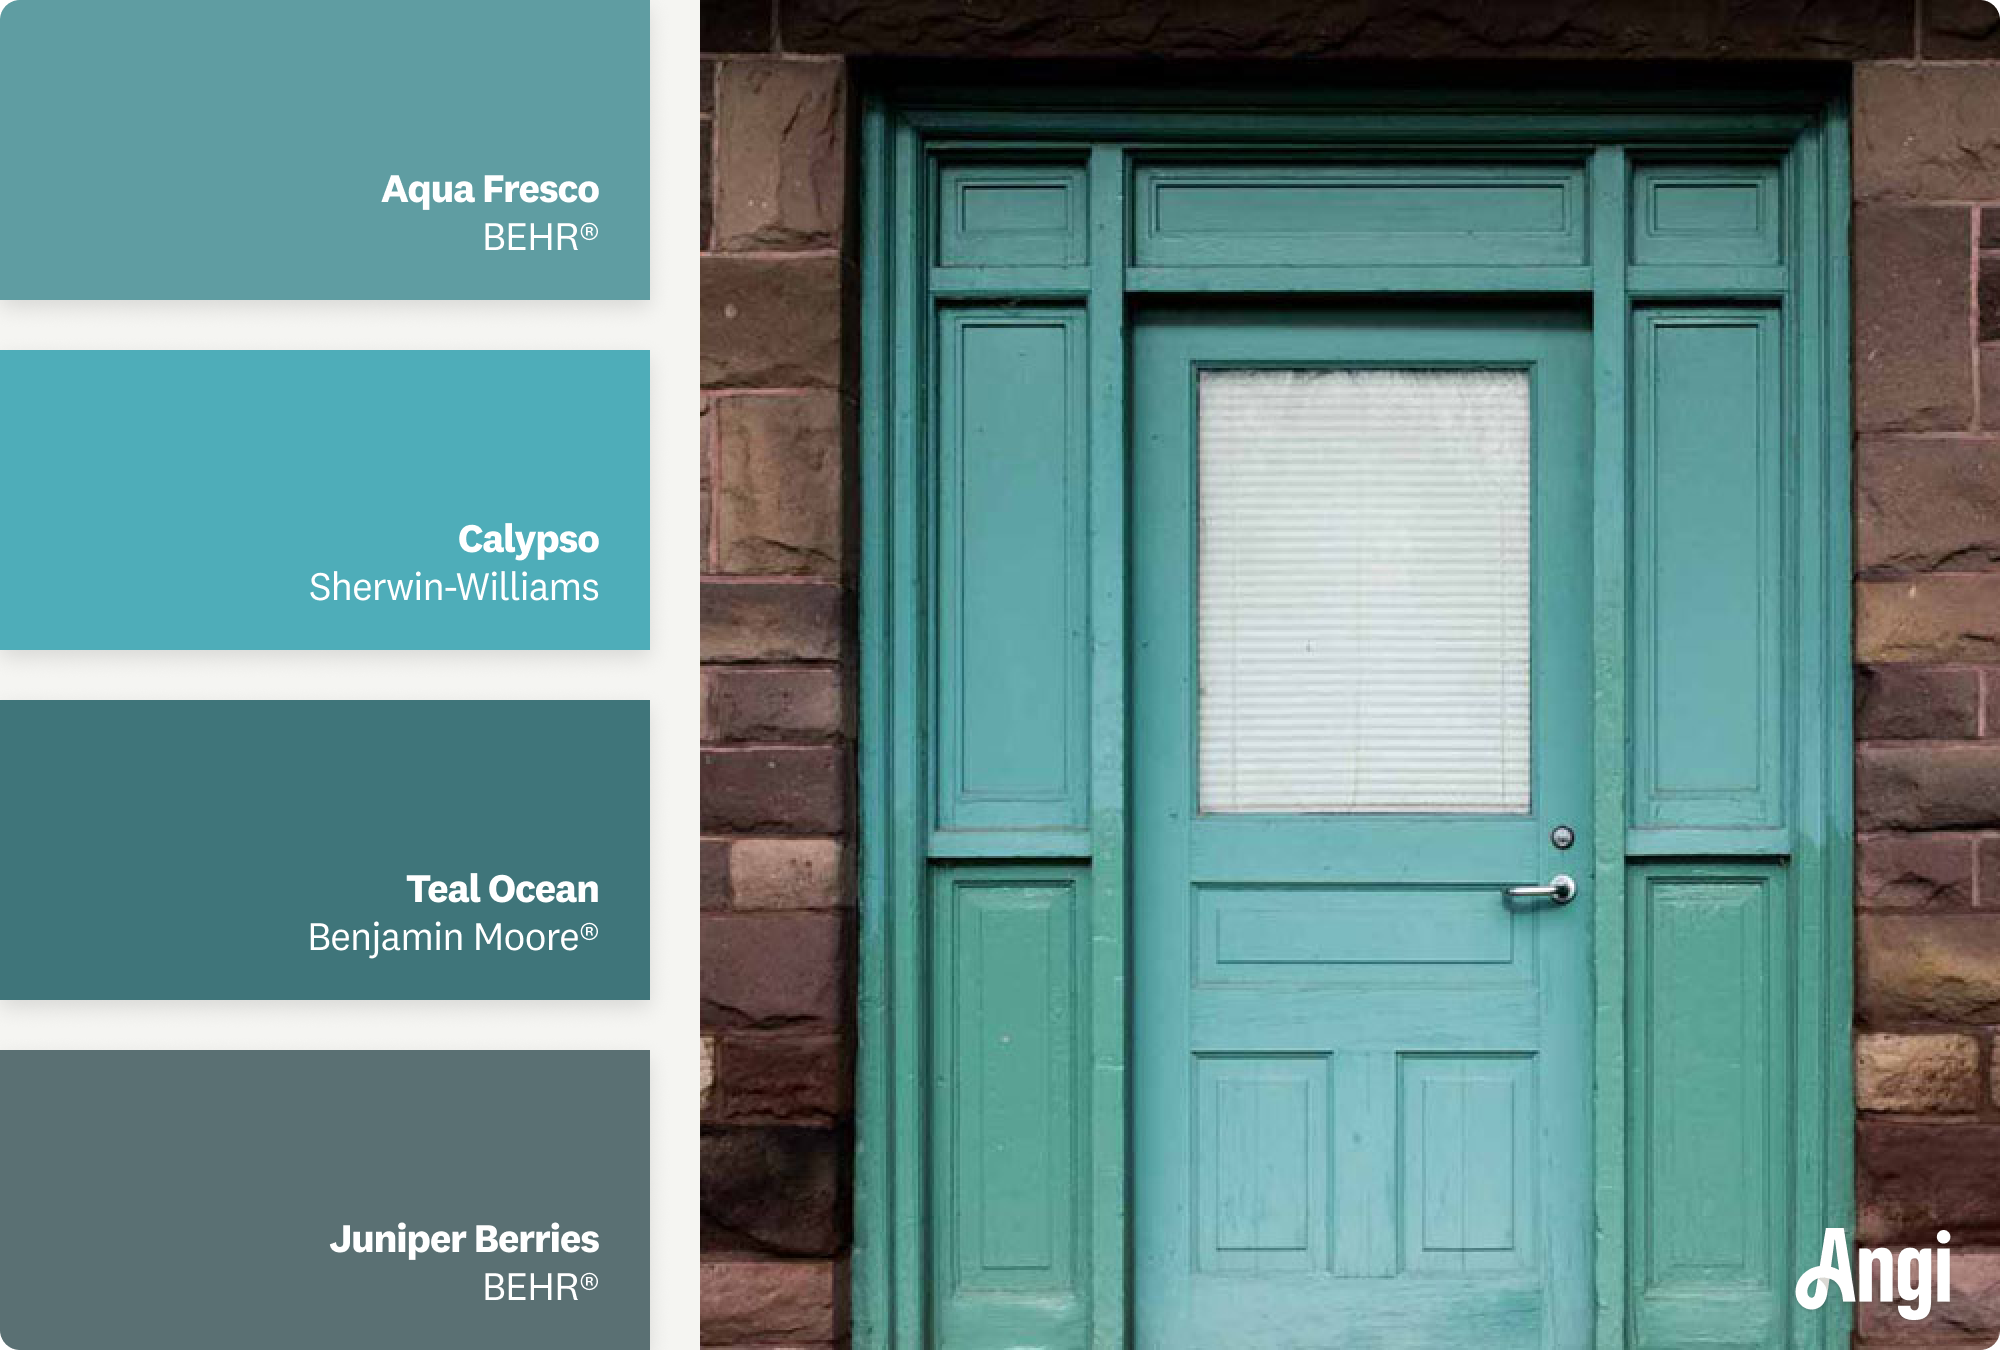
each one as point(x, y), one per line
point(1989, 872)
point(780, 474)
point(783, 1080)
point(775, 790)
point(1926, 133)
point(1915, 871)
point(1945, 616)
point(1436, 30)
point(781, 154)
point(1928, 1074)
point(790, 874)
point(774, 1189)
point(746, 1302)
point(714, 873)
point(1924, 967)
point(1928, 787)
point(1969, 1320)
point(771, 621)
point(1912, 318)
point(736, 25)
point(774, 971)
point(1917, 1178)
point(1916, 703)
point(749, 705)
point(772, 322)
point(1922, 504)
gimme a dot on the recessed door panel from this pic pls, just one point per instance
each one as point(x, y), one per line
point(1360, 701)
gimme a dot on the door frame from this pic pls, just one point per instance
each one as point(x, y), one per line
point(1098, 133)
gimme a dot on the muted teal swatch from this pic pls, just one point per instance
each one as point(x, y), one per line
point(237, 149)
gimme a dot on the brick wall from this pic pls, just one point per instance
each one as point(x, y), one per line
point(778, 547)
point(777, 690)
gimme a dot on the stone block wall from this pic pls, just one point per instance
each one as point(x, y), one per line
point(1927, 618)
point(777, 690)
point(779, 543)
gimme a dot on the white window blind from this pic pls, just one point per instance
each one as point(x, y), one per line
point(1364, 590)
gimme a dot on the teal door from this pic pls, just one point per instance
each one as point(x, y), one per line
point(1360, 715)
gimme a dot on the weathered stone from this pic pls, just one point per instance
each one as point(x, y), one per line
point(772, 1302)
point(781, 154)
point(1912, 317)
point(784, 1080)
point(1988, 891)
point(774, 1189)
point(770, 322)
point(1967, 1321)
point(775, 790)
point(789, 874)
point(1840, 30)
point(1925, 503)
point(1915, 871)
point(1927, 787)
point(1989, 297)
point(707, 86)
point(1959, 30)
point(1926, 133)
point(1915, 1178)
point(1941, 617)
point(1903, 703)
point(779, 484)
point(771, 621)
point(1928, 968)
point(736, 25)
point(1989, 384)
point(715, 874)
point(707, 1071)
point(740, 705)
point(1913, 1074)
point(705, 452)
point(707, 162)
point(773, 971)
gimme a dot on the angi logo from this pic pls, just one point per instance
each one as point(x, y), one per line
point(1901, 1276)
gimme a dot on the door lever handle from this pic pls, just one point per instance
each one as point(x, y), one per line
point(1560, 888)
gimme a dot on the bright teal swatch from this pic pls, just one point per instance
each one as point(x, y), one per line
point(237, 149)
point(165, 500)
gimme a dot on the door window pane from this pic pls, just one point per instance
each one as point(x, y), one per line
point(1363, 590)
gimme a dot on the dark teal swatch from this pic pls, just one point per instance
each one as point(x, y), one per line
point(184, 849)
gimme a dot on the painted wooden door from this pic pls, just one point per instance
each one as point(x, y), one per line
point(1361, 712)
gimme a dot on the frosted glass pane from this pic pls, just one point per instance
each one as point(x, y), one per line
point(1364, 581)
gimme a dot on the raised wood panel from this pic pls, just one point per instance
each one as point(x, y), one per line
point(1013, 735)
point(1708, 598)
point(1012, 215)
point(1468, 1163)
point(1312, 934)
point(1353, 214)
point(1008, 1102)
point(1261, 1163)
point(1725, 214)
point(1711, 961)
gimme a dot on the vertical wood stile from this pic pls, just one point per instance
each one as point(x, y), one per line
point(873, 1274)
point(1107, 994)
point(1610, 333)
point(907, 940)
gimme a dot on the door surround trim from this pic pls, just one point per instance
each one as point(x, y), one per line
point(1101, 133)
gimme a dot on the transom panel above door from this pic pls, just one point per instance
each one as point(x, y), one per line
point(1354, 658)
point(1361, 624)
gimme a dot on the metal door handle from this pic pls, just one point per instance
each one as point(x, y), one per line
point(1560, 888)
